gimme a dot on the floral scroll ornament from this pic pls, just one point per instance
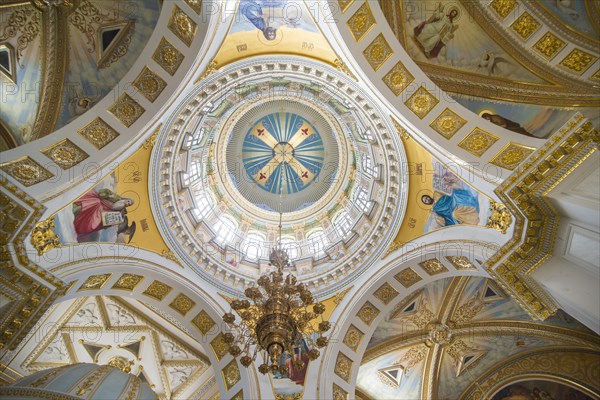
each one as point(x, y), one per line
point(43, 237)
point(500, 218)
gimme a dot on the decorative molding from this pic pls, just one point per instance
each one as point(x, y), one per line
point(167, 56)
point(126, 110)
point(478, 142)
point(421, 102)
point(182, 26)
point(578, 61)
point(385, 293)
point(398, 78)
point(353, 337)
point(378, 52)
point(407, 277)
point(231, 374)
point(503, 7)
point(343, 367)
point(203, 322)
point(367, 313)
point(98, 133)
point(149, 84)
point(26, 171)
point(128, 282)
point(95, 282)
point(182, 304)
point(549, 45)
point(361, 22)
point(65, 154)
point(448, 123)
point(433, 266)
point(525, 25)
point(512, 155)
point(157, 290)
point(195, 5)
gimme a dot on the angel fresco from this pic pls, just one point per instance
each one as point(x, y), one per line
point(434, 33)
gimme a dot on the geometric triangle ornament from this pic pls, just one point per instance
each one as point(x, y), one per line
point(7, 62)
point(391, 376)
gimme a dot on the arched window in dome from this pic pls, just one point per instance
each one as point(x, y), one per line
point(362, 200)
point(224, 230)
point(342, 223)
point(291, 246)
point(317, 243)
point(368, 166)
point(193, 174)
point(194, 140)
point(203, 204)
point(253, 246)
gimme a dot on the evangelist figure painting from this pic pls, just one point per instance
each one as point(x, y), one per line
point(452, 201)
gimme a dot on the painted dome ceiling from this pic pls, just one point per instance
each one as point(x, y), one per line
point(293, 143)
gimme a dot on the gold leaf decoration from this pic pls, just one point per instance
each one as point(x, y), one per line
point(339, 393)
point(344, 4)
point(525, 25)
point(421, 102)
point(578, 61)
point(503, 7)
point(195, 5)
point(407, 277)
point(182, 26)
point(231, 374)
point(65, 154)
point(478, 142)
point(98, 133)
point(367, 313)
point(549, 45)
point(512, 155)
point(43, 237)
point(501, 219)
point(378, 52)
point(353, 337)
point(386, 293)
point(157, 290)
point(26, 171)
point(361, 22)
point(94, 282)
point(149, 84)
point(128, 282)
point(398, 78)
point(461, 263)
point(433, 266)
point(220, 348)
point(167, 56)
point(126, 110)
point(203, 322)
point(182, 304)
point(343, 367)
point(448, 123)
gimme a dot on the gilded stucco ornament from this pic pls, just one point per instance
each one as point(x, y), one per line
point(26, 170)
point(94, 282)
point(98, 133)
point(343, 367)
point(421, 102)
point(407, 277)
point(386, 293)
point(549, 45)
point(448, 123)
point(220, 348)
point(501, 219)
point(578, 60)
point(339, 393)
point(126, 110)
point(378, 52)
point(231, 374)
point(503, 7)
point(128, 282)
point(182, 26)
point(65, 154)
point(149, 84)
point(525, 25)
point(182, 304)
point(203, 322)
point(461, 263)
point(167, 56)
point(367, 313)
point(478, 142)
point(195, 5)
point(433, 266)
point(398, 78)
point(158, 290)
point(43, 237)
point(353, 337)
point(361, 22)
point(512, 155)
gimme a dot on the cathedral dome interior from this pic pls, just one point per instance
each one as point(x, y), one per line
point(299, 199)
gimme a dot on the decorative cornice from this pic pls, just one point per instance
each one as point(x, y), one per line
point(536, 221)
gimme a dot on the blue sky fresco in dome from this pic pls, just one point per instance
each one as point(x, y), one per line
point(283, 153)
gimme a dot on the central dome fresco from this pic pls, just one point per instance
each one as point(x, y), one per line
point(302, 141)
point(283, 153)
point(289, 156)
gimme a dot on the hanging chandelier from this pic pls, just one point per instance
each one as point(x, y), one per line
point(279, 318)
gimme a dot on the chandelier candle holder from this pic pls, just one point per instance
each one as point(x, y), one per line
point(276, 316)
